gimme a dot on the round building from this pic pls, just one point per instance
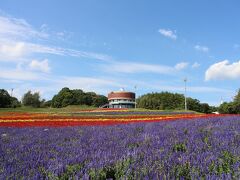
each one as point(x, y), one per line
point(121, 99)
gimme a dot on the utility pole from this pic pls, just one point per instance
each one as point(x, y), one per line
point(135, 87)
point(11, 92)
point(185, 95)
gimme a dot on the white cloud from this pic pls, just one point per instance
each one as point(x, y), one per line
point(36, 48)
point(42, 66)
point(17, 39)
point(19, 74)
point(130, 67)
point(168, 33)
point(206, 89)
point(201, 48)
point(86, 83)
point(53, 84)
point(181, 66)
point(223, 70)
point(167, 86)
point(18, 28)
point(11, 51)
point(138, 68)
point(195, 65)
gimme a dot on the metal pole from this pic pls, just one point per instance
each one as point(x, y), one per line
point(135, 87)
point(185, 82)
point(11, 92)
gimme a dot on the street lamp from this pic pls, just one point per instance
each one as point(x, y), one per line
point(185, 95)
point(135, 87)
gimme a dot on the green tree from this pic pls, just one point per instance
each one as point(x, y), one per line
point(31, 99)
point(99, 100)
point(237, 97)
point(63, 98)
point(193, 104)
point(47, 103)
point(5, 99)
point(163, 101)
point(231, 107)
point(15, 103)
point(227, 108)
point(205, 108)
point(171, 101)
point(77, 97)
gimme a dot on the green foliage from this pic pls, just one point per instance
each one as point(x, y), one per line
point(237, 97)
point(15, 103)
point(227, 108)
point(116, 171)
point(231, 107)
point(162, 101)
point(31, 99)
point(70, 171)
point(68, 97)
point(6, 101)
point(180, 147)
point(224, 164)
point(195, 105)
point(46, 174)
point(45, 104)
point(182, 171)
point(99, 100)
point(171, 101)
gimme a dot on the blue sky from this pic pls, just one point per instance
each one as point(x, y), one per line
point(107, 45)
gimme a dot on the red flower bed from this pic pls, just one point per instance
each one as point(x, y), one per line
point(30, 120)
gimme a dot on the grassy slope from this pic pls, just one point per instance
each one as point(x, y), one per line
point(47, 110)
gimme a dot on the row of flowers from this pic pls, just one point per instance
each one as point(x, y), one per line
point(49, 120)
point(49, 116)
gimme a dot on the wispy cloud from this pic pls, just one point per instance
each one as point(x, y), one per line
point(18, 28)
point(168, 33)
point(158, 86)
point(11, 50)
point(181, 66)
point(38, 65)
point(24, 78)
point(129, 67)
point(195, 65)
point(223, 70)
point(20, 74)
point(87, 83)
point(36, 48)
point(201, 48)
point(18, 41)
point(53, 84)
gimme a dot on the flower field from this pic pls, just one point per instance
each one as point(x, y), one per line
point(89, 118)
point(119, 145)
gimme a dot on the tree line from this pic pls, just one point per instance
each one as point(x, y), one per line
point(155, 101)
point(172, 101)
point(64, 98)
point(7, 101)
point(77, 97)
point(232, 107)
